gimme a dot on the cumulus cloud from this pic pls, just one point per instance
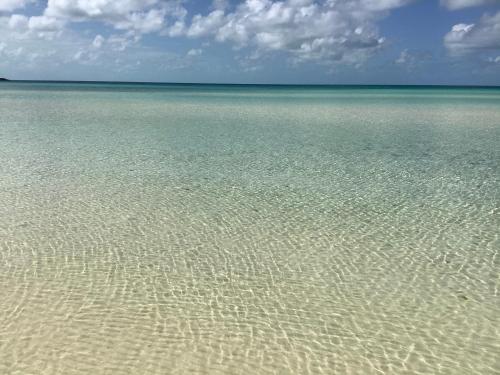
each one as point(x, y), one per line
point(43, 26)
point(411, 59)
point(18, 22)
point(26, 48)
point(122, 42)
point(177, 29)
point(472, 38)
point(74, 55)
point(459, 4)
point(328, 31)
point(143, 22)
point(44, 23)
point(380, 5)
point(205, 25)
point(324, 31)
point(142, 16)
point(194, 52)
point(404, 58)
point(85, 57)
point(36, 27)
point(11, 5)
point(98, 41)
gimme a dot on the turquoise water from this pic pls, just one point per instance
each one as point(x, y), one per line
point(172, 229)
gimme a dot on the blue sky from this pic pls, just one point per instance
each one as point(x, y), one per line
point(253, 41)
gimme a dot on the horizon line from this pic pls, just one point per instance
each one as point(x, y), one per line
point(4, 79)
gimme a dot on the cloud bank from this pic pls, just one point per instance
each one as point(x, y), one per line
point(328, 31)
point(335, 34)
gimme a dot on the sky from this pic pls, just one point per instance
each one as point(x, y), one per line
point(454, 42)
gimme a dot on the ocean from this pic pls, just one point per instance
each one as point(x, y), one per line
point(231, 229)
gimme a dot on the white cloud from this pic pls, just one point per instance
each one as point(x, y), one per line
point(459, 4)
point(404, 57)
point(18, 21)
point(11, 5)
point(204, 25)
point(380, 5)
point(143, 22)
point(178, 29)
point(474, 38)
point(96, 9)
point(142, 16)
point(194, 52)
point(16, 52)
point(328, 31)
point(29, 40)
point(43, 26)
point(44, 23)
point(36, 27)
point(98, 41)
point(85, 57)
point(26, 53)
point(121, 42)
point(412, 59)
point(325, 31)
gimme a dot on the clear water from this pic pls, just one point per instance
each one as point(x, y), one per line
point(148, 229)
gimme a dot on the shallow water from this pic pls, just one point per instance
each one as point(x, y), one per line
point(148, 229)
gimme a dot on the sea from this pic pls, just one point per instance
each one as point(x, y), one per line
point(249, 229)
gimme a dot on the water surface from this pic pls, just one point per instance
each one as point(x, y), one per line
point(173, 229)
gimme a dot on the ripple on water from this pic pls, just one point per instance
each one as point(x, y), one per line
point(233, 235)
